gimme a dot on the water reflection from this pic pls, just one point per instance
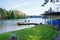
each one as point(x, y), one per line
point(11, 25)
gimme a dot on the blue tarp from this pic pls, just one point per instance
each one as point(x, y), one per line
point(54, 22)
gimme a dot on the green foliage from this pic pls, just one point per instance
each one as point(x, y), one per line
point(10, 14)
point(40, 32)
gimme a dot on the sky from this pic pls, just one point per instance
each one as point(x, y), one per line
point(30, 7)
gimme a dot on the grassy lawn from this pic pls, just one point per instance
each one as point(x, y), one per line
point(40, 32)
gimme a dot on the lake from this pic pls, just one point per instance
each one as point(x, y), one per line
point(11, 25)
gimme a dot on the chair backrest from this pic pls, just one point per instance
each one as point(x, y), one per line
point(25, 21)
point(13, 37)
point(28, 20)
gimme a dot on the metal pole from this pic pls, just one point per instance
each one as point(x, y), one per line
point(51, 19)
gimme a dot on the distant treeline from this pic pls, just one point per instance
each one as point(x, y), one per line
point(34, 16)
point(12, 14)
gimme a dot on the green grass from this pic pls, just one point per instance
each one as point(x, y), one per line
point(40, 32)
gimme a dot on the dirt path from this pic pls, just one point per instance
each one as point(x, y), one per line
point(58, 38)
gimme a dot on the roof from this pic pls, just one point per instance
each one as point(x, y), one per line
point(52, 13)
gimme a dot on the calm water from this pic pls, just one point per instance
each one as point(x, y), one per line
point(11, 25)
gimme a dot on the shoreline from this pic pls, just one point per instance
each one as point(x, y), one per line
point(32, 32)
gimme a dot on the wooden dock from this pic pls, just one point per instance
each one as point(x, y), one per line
point(27, 24)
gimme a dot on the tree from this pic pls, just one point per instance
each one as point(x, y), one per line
point(9, 14)
point(12, 15)
point(53, 1)
point(1, 10)
point(46, 1)
point(16, 13)
point(4, 14)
